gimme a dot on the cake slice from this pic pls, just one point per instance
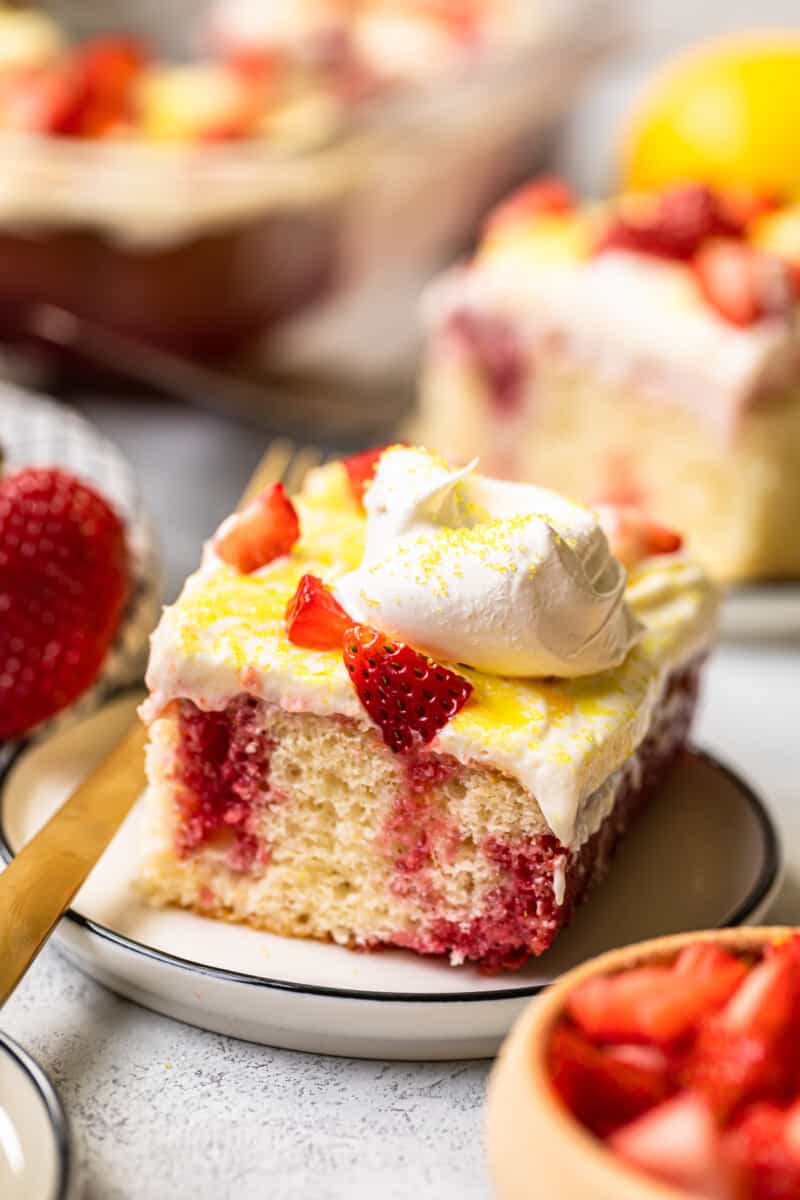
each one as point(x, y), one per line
point(646, 350)
point(426, 720)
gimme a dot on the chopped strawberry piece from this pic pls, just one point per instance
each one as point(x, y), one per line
point(86, 95)
point(744, 284)
point(748, 1051)
point(632, 535)
point(361, 468)
point(314, 618)
point(712, 969)
point(678, 1144)
point(542, 197)
point(674, 225)
point(407, 695)
point(41, 99)
point(650, 1004)
point(760, 1144)
point(108, 68)
point(606, 1088)
point(264, 530)
point(742, 206)
point(64, 582)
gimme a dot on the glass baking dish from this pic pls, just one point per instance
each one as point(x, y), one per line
point(311, 251)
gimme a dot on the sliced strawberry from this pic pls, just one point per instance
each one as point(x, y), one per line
point(760, 1143)
point(604, 1088)
point(678, 1144)
point(407, 695)
point(632, 535)
point(266, 529)
point(674, 225)
point(361, 468)
point(542, 197)
point(748, 1051)
point(744, 284)
point(314, 618)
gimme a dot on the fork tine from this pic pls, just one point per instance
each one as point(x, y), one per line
point(304, 459)
point(271, 469)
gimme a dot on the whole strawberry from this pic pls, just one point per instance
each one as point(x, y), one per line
point(63, 587)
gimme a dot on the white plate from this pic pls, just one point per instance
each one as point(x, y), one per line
point(705, 854)
point(35, 1158)
point(762, 612)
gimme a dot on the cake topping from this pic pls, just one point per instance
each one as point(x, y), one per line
point(671, 225)
point(541, 198)
point(265, 530)
point(361, 468)
point(744, 284)
point(506, 578)
point(409, 697)
point(314, 619)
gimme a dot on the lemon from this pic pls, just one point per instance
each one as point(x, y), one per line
point(726, 113)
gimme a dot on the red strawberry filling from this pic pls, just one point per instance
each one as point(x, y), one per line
point(523, 912)
point(263, 531)
point(493, 348)
point(407, 695)
point(726, 1031)
point(673, 225)
point(223, 781)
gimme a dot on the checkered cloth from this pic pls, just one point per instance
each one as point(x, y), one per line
point(34, 430)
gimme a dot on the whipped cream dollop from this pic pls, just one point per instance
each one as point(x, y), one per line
point(508, 578)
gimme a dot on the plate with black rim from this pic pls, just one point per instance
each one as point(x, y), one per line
point(35, 1154)
point(761, 612)
point(705, 854)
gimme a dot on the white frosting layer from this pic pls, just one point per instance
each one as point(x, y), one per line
point(506, 578)
point(632, 319)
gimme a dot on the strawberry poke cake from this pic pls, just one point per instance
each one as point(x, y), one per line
point(415, 706)
point(644, 350)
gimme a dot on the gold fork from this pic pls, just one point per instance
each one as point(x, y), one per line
point(38, 885)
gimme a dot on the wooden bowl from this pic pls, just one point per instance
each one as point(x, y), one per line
point(537, 1150)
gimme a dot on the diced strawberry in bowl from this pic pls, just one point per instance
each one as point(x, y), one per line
point(665, 1070)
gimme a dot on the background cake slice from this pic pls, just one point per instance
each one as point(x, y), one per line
point(645, 351)
point(281, 796)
